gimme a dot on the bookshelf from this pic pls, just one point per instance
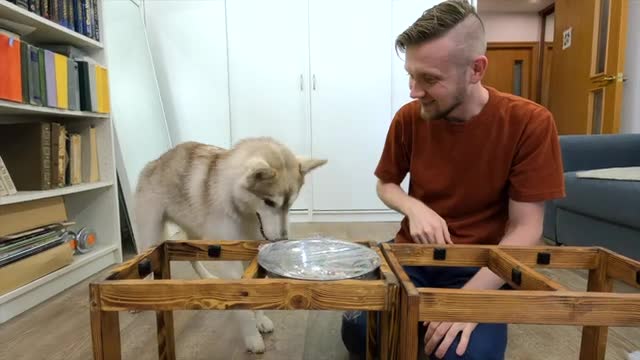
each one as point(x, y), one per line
point(90, 204)
point(46, 31)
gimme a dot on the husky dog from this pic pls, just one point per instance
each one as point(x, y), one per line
point(211, 193)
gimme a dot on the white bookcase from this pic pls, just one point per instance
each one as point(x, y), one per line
point(93, 205)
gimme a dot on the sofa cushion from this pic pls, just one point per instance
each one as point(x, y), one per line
point(610, 200)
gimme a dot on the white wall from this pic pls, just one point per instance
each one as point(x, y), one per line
point(549, 27)
point(630, 122)
point(135, 98)
point(189, 47)
point(507, 27)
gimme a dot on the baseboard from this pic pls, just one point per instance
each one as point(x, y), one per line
point(298, 216)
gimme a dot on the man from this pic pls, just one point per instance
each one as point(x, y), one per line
point(481, 165)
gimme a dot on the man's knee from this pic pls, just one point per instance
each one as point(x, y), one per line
point(487, 342)
point(354, 331)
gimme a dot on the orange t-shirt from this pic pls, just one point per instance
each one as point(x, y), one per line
point(466, 172)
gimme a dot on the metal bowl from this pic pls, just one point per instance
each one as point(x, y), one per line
point(318, 259)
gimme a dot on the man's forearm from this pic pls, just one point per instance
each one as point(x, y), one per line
point(521, 235)
point(395, 197)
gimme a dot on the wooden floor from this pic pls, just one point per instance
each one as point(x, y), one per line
point(59, 328)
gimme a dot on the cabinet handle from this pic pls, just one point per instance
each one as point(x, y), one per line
point(314, 81)
point(301, 83)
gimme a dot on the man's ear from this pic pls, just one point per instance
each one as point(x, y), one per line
point(479, 68)
point(306, 164)
point(259, 170)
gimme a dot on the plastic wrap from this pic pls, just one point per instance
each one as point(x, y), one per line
point(318, 259)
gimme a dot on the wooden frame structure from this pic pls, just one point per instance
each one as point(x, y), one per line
point(125, 288)
point(535, 299)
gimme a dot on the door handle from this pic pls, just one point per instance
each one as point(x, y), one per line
point(314, 81)
point(611, 78)
point(301, 83)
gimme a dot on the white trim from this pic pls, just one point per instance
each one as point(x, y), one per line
point(299, 216)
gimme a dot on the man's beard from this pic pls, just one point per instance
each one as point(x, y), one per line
point(435, 113)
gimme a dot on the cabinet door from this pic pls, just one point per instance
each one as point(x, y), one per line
point(350, 45)
point(268, 73)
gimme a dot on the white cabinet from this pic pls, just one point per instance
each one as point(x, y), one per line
point(351, 100)
point(321, 76)
point(269, 74)
point(316, 75)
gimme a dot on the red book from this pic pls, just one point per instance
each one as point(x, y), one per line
point(10, 69)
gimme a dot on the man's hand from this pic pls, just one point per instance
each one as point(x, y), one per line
point(426, 226)
point(447, 332)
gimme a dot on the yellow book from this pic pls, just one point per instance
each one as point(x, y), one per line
point(62, 80)
point(102, 89)
point(107, 100)
point(99, 89)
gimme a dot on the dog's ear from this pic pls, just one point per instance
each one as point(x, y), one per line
point(258, 171)
point(307, 164)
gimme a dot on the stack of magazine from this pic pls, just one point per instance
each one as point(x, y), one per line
point(19, 246)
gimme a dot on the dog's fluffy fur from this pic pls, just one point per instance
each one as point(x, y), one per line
point(243, 193)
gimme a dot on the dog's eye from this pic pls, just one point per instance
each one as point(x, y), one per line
point(269, 203)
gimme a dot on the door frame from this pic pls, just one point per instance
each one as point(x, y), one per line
point(541, 46)
point(533, 46)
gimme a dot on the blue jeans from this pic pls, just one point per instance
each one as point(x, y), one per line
point(487, 342)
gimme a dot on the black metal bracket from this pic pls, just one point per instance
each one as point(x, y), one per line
point(638, 277)
point(544, 258)
point(144, 268)
point(439, 254)
point(214, 250)
point(516, 276)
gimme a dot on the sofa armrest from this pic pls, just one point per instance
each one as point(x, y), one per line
point(586, 152)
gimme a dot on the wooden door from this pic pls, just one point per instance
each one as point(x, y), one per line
point(350, 99)
point(512, 68)
point(585, 94)
point(268, 52)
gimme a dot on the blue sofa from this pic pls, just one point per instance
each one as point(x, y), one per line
point(597, 212)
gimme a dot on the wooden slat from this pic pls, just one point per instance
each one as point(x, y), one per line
point(129, 268)
point(189, 250)
point(217, 294)
point(390, 323)
point(390, 319)
point(164, 319)
point(593, 343)
point(393, 261)
point(105, 329)
point(529, 307)
point(503, 264)
point(372, 340)
point(251, 272)
point(385, 270)
point(564, 257)
point(456, 255)
point(622, 268)
point(408, 308)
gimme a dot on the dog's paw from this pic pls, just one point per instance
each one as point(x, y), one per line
point(255, 344)
point(265, 325)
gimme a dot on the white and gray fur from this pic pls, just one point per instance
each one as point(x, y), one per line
point(211, 193)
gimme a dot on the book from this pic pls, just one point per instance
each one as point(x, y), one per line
point(10, 69)
point(62, 80)
point(5, 179)
point(26, 151)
